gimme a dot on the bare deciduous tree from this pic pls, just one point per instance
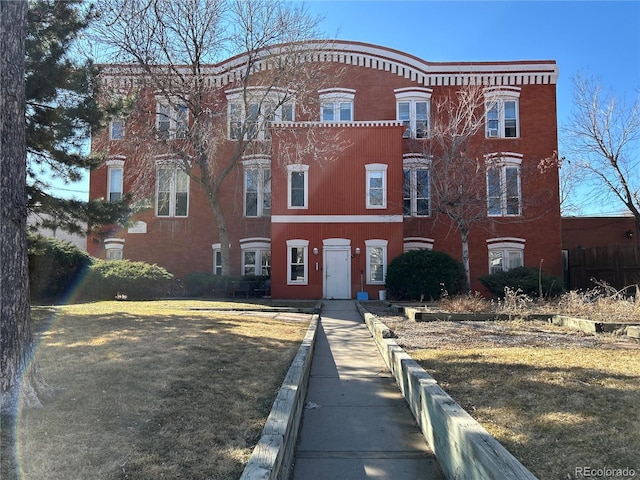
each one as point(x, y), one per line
point(470, 186)
point(171, 48)
point(602, 140)
point(458, 182)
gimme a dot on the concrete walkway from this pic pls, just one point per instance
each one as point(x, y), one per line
point(356, 424)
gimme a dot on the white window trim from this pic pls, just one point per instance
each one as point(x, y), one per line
point(111, 166)
point(114, 248)
point(111, 123)
point(262, 163)
point(496, 96)
point(413, 162)
point(257, 245)
point(216, 247)
point(376, 243)
point(505, 245)
point(175, 166)
point(502, 161)
point(376, 168)
point(305, 170)
point(413, 95)
point(298, 243)
point(418, 243)
point(178, 127)
point(261, 97)
point(334, 97)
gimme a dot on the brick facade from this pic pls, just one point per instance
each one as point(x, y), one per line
point(336, 230)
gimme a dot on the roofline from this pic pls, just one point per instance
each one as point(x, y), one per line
point(425, 73)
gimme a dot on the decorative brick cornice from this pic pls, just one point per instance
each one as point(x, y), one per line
point(424, 73)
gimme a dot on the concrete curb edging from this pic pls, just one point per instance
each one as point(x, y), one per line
point(272, 457)
point(464, 449)
point(576, 323)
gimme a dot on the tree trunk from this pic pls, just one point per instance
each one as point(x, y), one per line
point(464, 240)
point(16, 341)
point(223, 234)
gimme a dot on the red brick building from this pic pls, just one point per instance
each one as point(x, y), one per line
point(587, 232)
point(329, 229)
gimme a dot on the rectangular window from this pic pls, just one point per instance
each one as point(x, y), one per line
point(235, 121)
point(337, 110)
point(217, 262)
point(114, 254)
point(297, 189)
point(298, 186)
point(414, 115)
point(171, 121)
point(502, 118)
point(256, 262)
point(297, 271)
point(494, 191)
point(510, 119)
point(503, 260)
point(376, 186)
point(265, 263)
point(504, 196)
point(249, 263)
point(376, 265)
point(251, 183)
point(253, 121)
point(376, 261)
point(257, 188)
point(256, 121)
point(116, 129)
point(172, 192)
point(376, 189)
point(404, 115)
point(422, 119)
point(422, 191)
point(416, 191)
point(406, 191)
point(115, 183)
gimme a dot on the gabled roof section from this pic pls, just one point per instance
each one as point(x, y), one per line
point(428, 74)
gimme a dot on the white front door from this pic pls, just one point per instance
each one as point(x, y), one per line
point(337, 273)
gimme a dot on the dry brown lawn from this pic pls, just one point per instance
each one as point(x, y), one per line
point(558, 399)
point(152, 390)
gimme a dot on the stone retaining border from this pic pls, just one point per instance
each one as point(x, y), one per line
point(464, 449)
point(583, 324)
point(272, 457)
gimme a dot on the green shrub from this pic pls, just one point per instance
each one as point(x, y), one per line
point(203, 284)
point(525, 279)
point(199, 284)
point(55, 267)
point(423, 274)
point(124, 279)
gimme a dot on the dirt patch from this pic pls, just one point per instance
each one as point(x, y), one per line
point(451, 335)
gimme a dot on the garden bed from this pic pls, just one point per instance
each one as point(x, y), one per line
point(559, 399)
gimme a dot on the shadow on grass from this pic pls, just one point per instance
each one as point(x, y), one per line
point(552, 418)
point(173, 395)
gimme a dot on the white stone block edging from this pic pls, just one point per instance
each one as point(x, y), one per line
point(464, 449)
point(272, 457)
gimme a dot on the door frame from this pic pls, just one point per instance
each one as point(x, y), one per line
point(335, 245)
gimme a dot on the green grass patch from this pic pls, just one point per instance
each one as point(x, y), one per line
point(152, 390)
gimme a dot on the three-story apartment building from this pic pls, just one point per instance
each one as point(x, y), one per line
point(345, 182)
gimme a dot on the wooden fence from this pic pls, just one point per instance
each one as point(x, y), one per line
point(618, 266)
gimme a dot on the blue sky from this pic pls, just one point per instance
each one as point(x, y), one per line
point(598, 38)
